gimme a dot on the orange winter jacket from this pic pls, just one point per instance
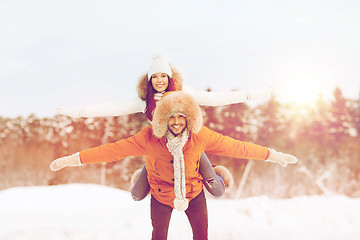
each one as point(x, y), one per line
point(159, 161)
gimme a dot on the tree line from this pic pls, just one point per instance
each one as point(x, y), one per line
point(324, 136)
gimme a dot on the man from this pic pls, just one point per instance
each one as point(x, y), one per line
point(172, 147)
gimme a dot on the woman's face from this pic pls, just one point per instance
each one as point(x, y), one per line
point(160, 81)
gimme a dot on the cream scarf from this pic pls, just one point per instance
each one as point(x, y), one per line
point(175, 146)
point(158, 95)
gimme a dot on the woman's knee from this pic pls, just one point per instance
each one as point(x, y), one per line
point(215, 186)
point(138, 196)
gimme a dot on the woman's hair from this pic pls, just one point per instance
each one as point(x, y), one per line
point(150, 101)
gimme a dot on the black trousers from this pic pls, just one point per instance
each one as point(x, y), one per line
point(196, 213)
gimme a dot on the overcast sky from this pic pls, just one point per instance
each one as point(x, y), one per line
point(81, 52)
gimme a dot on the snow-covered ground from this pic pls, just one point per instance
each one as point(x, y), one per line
point(85, 211)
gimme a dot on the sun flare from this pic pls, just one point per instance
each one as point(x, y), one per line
point(301, 93)
point(304, 95)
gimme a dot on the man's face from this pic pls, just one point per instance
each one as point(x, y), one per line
point(177, 124)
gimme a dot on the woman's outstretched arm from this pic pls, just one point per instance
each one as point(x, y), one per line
point(105, 110)
point(206, 98)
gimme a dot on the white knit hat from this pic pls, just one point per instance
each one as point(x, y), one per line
point(159, 65)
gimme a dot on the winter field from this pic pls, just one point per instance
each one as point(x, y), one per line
point(86, 211)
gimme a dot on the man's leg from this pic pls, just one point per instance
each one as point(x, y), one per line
point(213, 182)
point(160, 218)
point(198, 217)
point(141, 187)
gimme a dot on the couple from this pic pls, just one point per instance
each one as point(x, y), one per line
point(161, 78)
point(176, 166)
point(172, 146)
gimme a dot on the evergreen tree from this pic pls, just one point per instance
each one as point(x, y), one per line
point(235, 121)
point(271, 127)
point(211, 117)
point(339, 121)
point(355, 116)
point(315, 129)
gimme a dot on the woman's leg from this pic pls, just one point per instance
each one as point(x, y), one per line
point(160, 219)
point(198, 217)
point(213, 182)
point(141, 187)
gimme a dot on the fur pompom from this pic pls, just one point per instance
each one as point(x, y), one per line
point(158, 55)
point(135, 176)
point(226, 175)
point(181, 204)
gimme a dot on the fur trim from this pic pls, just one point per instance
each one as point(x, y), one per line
point(176, 102)
point(142, 86)
point(143, 83)
point(226, 175)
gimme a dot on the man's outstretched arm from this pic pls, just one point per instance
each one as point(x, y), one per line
point(219, 144)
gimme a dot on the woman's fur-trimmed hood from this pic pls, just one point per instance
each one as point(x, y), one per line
point(176, 102)
point(143, 83)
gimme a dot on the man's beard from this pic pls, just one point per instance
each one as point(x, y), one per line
point(177, 134)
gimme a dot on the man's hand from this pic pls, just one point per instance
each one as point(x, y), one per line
point(281, 158)
point(68, 161)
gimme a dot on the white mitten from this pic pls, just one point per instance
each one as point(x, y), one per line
point(71, 112)
point(68, 161)
point(281, 158)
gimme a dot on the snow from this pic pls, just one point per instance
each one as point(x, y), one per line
point(86, 211)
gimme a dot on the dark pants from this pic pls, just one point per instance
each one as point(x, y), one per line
point(141, 187)
point(213, 182)
point(196, 213)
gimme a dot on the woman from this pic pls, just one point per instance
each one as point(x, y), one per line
point(160, 78)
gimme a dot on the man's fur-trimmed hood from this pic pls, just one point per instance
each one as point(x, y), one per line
point(176, 102)
point(143, 83)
